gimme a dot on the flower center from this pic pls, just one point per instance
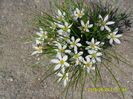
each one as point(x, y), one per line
point(113, 36)
point(85, 26)
point(92, 45)
point(94, 55)
point(53, 26)
point(88, 64)
point(74, 43)
point(102, 23)
point(76, 56)
point(39, 48)
point(44, 35)
point(66, 38)
point(65, 76)
point(62, 62)
point(65, 28)
point(62, 50)
point(60, 18)
point(80, 14)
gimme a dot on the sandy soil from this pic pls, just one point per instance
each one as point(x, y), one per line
point(18, 79)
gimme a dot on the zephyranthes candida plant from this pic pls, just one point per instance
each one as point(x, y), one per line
point(80, 37)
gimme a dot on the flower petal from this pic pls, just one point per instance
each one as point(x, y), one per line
point(107, 28)
point(102, 28)
point(106, 18)
point(110, 23)
point(111, 41)
point(55, 61)
point(117, 41)
point(65, 57)
point(57, 67)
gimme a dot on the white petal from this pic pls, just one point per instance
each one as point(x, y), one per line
point(88, 42)
point(99, 54)
point(92, 40)
point(55, 61)
point(88, 70)
point(100, 17)
point(80, 53)
point(60, 26)
point(77, 40)
point(98, 59)
point(65, 83)
point(57, 67)
point(106, 18)
point(66, 24)
point(59, 13)
point(93, 60)
point(119, 35)
point(87, 30)
point(78, 44)
point(72, 38)
point(91, 25)
point(60, 32)
point(107, 28)
point(110, 23)
point(88, 22)
point(67, 51)
point(111, 41)
point(64, 47)
point(117, 41)
point(102, 28)
point(59, 74)
point(59, 56)
point(77, 10)
point(65, 58)
point(35, 52)
point(66, 64)
point(82, 23)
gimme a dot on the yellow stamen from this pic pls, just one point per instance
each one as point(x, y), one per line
point(94, 55)
point(62, 62)
point(80, 14)
point(39, 48)
point(62, 50)
point(92, 45)
point(88, 64)
point(113, 36)
point(60, 18)
point(76, 56)
point(74, 43)
point(65, 28)
point(85, 27)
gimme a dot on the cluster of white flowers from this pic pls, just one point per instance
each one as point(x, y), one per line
point(70, 51)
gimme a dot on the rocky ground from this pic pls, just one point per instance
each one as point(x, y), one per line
point(17, 75)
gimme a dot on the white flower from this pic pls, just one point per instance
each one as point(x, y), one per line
point(62, 49)
point(64, 28)
point(61, 62)
point(75, 43)
point(114, 37)
point(78, 13)
point(93, 45)
point(86, 26)
point(60, 16)
point(63, 77)
point(38, 49)
point(53, 26)
point(104, 24)
point(78, 57)
point(42, 35)
point(88, 64)
point(38, 41)
point(95, 56)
